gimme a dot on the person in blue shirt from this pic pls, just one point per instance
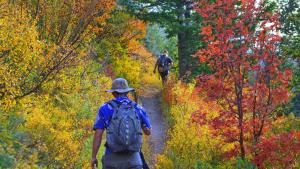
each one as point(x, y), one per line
point(163, 64)
point(110, 160)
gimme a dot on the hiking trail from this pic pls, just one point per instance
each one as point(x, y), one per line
point(151, 101)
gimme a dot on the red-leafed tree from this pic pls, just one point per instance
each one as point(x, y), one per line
point(248, 80)
point(280, 150)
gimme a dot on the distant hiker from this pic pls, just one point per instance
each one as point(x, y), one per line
point(163, 64)
point(124, 121)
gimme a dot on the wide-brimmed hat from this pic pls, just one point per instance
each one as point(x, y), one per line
point(120, 85)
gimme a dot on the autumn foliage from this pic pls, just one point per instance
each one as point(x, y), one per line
point(248, 81)
point(280, 151)
point(188, 143)
point(55, 58)
point(233, 110)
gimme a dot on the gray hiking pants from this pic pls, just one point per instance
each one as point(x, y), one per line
point(122, 161)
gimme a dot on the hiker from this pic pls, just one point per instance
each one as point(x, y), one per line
point(163, 64)
point(124, 120)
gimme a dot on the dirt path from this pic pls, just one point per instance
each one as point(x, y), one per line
point(152, 104)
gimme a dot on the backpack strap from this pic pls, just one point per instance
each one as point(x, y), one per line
point(114, 104)
point(133, 104)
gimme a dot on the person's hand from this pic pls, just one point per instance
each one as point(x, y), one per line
point(146, 131)
point(94, 162)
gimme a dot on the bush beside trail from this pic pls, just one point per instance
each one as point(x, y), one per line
point(193, 142)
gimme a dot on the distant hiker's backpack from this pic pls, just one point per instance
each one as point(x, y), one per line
point(163, 64)
point(124, 133)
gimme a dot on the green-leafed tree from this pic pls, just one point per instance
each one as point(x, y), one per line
point(290, 20)
point(179, 20)
point(157, 40)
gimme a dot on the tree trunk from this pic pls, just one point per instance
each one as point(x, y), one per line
point(182, 54)
point(241, 137)
point(184, 35)
point(239, 98)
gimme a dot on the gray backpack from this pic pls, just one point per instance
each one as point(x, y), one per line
point(124, 133)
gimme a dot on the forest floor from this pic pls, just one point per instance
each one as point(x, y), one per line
point(151, 101)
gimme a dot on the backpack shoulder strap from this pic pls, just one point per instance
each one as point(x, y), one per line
point(133, 104)
point(113, 104)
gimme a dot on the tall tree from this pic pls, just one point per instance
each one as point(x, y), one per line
point(290, 20)
point(179, 20)
point(242, 49)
